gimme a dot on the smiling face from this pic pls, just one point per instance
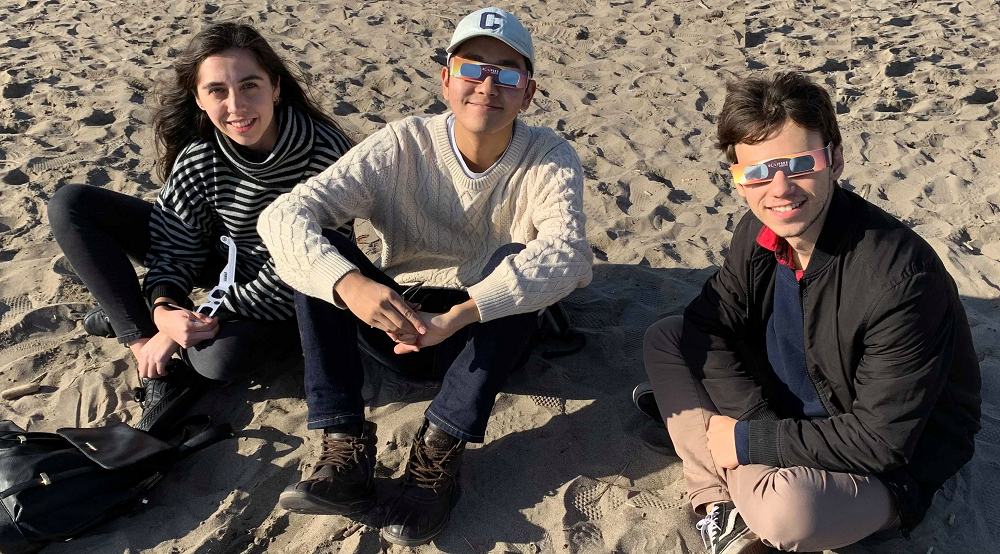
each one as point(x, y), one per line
point(793, 207)
point(485, 108)
point(239, 98)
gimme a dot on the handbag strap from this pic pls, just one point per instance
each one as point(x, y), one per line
point(45, 480)
point(31, 437)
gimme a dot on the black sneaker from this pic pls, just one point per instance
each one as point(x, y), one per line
point(343, 481)
point(97, 323)
point(723, 531)
point(165, 399)
point(642, 397)
point(429, 484)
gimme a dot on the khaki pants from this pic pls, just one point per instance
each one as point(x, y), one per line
point(793, 509)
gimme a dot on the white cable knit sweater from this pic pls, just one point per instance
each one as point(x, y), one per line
point(436, 224)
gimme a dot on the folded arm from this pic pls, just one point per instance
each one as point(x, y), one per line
point(292, 226)
point(559, 258)
point(909, 346)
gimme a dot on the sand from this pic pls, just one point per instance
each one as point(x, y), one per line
point(568, 464)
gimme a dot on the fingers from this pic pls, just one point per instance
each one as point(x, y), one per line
point(403, 338)
point(197, 331)
point(393, 312)
point(152, 368)
point(405, 348)
point(412, 321)
point(201, 325)
point(191, 339)
point(142, 368)
point(161, 368)
point(202, 317)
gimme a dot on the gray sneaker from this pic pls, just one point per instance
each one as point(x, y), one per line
point(723, 531)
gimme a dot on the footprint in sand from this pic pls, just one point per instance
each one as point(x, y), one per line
point(552, 403)
point(28, 332)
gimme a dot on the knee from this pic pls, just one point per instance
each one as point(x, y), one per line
point(499, 255)
point(211, 369)
point(788, 522)
point(663, 336)
point(61, 206)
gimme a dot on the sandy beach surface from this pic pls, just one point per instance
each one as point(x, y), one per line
point(569, 466)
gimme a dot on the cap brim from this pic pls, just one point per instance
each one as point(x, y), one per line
point(451, 48)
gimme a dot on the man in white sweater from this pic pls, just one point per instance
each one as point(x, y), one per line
point(484, 215)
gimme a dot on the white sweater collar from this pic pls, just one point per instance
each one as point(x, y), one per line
point(446, 155)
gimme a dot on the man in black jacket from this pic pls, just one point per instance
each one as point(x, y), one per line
point(823, 385)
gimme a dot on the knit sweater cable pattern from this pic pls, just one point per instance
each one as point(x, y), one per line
point(437, 225)
point(213, 190)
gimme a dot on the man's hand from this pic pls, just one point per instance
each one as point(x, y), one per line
point(722, 441)
point(154, 355)
point(185, 327)
point(439, 327)
point(378, 305)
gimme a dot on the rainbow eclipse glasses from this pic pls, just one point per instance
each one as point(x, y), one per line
point(793, 165)
point(470, 70)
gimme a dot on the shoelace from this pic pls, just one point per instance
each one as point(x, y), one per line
point(429, 467)
point(709, 526)
point(338, 452)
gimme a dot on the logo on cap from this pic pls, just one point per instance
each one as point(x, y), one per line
point(490, 21)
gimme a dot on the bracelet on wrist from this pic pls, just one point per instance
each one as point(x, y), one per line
point(163, 303)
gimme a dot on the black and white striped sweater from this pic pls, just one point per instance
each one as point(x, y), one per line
point(213, 190)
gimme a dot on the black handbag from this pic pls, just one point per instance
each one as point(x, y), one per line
point(56, 486)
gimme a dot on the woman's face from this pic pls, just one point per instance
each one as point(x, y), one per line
point(239, 98)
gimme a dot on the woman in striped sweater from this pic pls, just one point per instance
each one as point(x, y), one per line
point(234, 131)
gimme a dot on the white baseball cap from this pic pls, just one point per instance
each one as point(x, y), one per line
point(496, 23)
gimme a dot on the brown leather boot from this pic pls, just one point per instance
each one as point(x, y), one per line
point(344, 479)
point(423, 509)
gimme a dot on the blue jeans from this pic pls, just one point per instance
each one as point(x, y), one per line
point(473, 364)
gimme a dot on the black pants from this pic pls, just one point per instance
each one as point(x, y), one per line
point(101, 232)
point(473, 364)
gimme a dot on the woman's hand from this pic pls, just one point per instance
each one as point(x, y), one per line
point(185, 327)
point(154, 355)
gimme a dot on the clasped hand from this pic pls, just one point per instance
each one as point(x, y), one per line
point(380, 307)
point(722, 441)
point(185, 327)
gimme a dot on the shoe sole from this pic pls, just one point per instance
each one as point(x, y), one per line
point(305, 503)
point(641, 396)
point(164, 420)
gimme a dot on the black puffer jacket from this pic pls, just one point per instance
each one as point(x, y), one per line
point(887, 346)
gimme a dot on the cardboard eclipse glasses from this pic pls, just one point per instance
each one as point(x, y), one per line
point(470, 70)
point(792, 165)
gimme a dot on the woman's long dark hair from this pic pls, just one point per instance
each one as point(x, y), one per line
point(178, 119)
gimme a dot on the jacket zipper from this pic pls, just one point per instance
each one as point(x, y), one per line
point(822, 397)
